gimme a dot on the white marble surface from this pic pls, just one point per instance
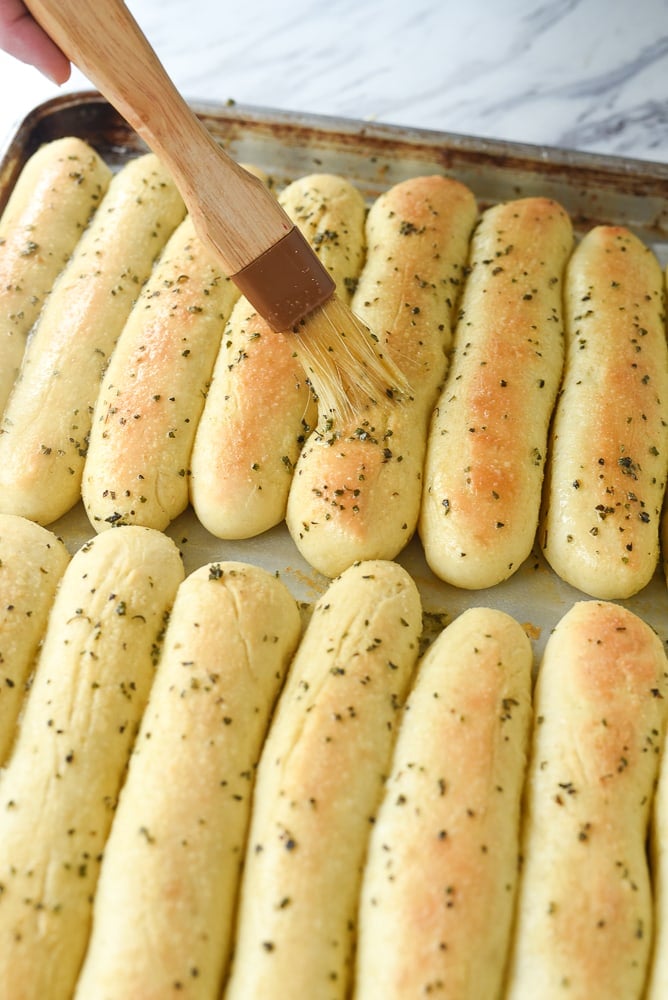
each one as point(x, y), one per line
point(584, 74)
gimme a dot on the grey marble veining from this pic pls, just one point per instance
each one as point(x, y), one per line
point(583, 74)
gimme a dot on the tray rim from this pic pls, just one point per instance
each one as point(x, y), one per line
point(544, 156)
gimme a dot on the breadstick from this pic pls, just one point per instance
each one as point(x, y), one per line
point(259, 408)
point(609, 445)
point(152, 393)
point(488, 437)
point(584, 918)
point(167, 891)
point(59, 789)
point(56, 193)
point(32, 561)
point(48, 416)
point(439, 883)
point(356, 493)
point(318, 785)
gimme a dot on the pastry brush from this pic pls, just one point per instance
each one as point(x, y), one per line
point(258, 245)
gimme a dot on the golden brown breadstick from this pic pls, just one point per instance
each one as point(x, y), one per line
point(56, 193)
point(606, 472)
point(32, 561)
point(259, 408)
point(44, 434)
point(318, 786)
point(488, 437)
point(439, 883)
point(59, 789)
point(153, 391)
point(167, 892)
point(584, 918)
point(356, 493)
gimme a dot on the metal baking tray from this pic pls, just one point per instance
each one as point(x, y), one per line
point(592, 188)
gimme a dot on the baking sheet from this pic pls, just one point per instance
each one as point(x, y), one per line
point(592, 188)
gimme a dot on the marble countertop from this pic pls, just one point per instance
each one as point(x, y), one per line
point(581, 74)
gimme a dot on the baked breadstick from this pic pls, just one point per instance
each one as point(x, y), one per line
point(488, 437)
point(609, 447)
point(166, 896)
point(259, 408)
point(439, 883)
point(59, 789)
point(56, 193)
point(356, 493)
point(152, 393)
point(48, 416)
point(318, 785)
point(584, 917)
point(32, 561)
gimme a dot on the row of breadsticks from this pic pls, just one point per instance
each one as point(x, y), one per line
point(538, 375)
point(205, 793)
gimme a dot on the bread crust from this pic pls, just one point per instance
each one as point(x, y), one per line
point(318, 786)
point(356, 489)
point(152, 393)
point(58, 190)
point(606, 473)
point(61, 783)
point(44, 434)
point(32, 562)
point(166, 897)
point(440, 877)
point(259, 408)
point(584, 917)
point(488, 437)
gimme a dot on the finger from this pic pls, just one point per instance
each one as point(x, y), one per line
point(23, 38)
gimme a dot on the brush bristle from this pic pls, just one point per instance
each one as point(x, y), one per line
point(344, 362)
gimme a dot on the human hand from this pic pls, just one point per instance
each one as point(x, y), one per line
point(23, 38)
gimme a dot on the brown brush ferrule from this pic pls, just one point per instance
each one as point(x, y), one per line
point(286, 282)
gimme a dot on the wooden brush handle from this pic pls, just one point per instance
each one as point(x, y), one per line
point(231, 209)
